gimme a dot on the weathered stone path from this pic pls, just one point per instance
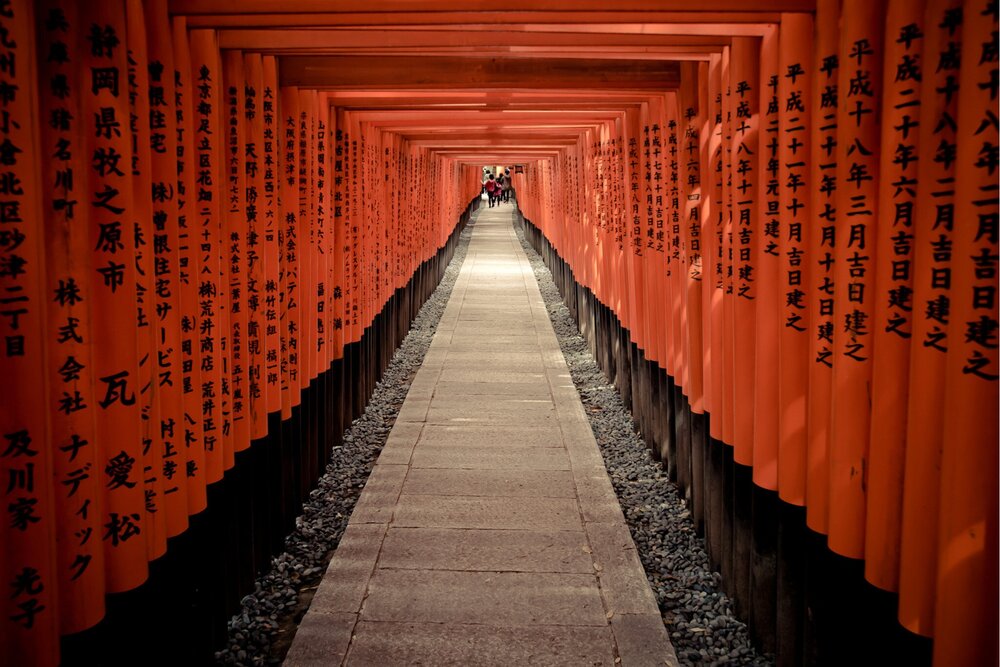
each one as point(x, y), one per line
point(488, 532)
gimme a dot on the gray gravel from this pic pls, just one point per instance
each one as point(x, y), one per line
point(261, 633)
point(698, 616)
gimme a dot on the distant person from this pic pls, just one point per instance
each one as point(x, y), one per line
point(507, 185)
point(491, 188)
point(500, 187)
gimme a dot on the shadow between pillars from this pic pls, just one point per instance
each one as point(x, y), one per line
point(179, 616)
point(803, 603)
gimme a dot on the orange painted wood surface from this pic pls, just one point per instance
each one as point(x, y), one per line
point(795, 154)
point(932, 227)
point(892, 328)
point(965, 614)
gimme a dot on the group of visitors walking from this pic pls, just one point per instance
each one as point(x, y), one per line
point(498, 188)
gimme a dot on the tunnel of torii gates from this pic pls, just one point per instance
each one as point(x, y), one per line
point(777, 225)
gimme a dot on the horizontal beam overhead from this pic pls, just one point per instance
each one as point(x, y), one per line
point(608, 53)
point(361, 72)
point(466, 20)
point(446, 118)
point(323, 39)
point(707, 7)
point(479, 99)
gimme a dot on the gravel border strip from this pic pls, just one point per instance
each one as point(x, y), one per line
point(261, 634)
point(698, 616)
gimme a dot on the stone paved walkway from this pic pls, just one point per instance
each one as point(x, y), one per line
point(488, 532)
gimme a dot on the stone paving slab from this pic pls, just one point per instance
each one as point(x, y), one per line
point(487, 437)
point(519, 344)
point(381, 492)
point(345, 584)
point(499, 404)
point(642, 642)
point(477, 358)
point(485, 299)
point(413, 410)
point(481, 645)
point(497, 513)
point(512, 324)
point(474, 327)
point(507, 377)
point(486, 550)
point(399, 445)
point(505, 458)
point(322, 640)
point(490, 363)
point(488, 532)
point(510, 483)
point(494, 598)
point(490, 312)
point(458, 416)
point(470, 389)
point(492, 340)
point(623, 583)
